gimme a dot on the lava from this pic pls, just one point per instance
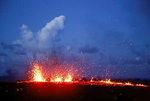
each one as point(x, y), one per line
point(68, 79)
point(107, 81)
point(128, 83)
point(62, 79)
point(113, 83)
point(58, 79)
point(37, 74)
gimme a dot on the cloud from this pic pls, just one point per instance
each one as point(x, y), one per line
point(13, 48)
point(141, 53)
point(3, 54)
point(51, 31)
point(144, 53)
point(30, 45)
point(10, 46)
point(88, 49)
point(42, 39)
point(20, 53)
point(37, 43)
point(12, 72)
point(26, 33)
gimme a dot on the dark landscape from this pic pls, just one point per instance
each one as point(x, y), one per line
point(47, 91)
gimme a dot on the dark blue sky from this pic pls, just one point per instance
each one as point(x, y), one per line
point(110, 38)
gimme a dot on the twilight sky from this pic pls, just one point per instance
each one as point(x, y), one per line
point(106, 38)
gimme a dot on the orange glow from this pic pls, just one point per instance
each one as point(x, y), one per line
point(37, 75)
point(141, 85)
point(91, 82)
point(119, 83)
point(49, 71)
point(128, 83)
point(68, 79)
point(107, 81)
point(62, 79)
point(58, 79)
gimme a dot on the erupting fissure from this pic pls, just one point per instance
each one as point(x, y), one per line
point(37, 75)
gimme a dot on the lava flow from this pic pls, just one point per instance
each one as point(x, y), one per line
point(37, 75)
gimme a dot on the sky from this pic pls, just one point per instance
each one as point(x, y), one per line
point(105, 38)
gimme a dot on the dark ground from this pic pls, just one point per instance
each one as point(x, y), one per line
point(70, 92)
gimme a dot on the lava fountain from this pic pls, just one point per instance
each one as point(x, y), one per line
point(37, 74)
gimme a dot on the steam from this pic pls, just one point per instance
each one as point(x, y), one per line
point(42, 39)
point(30, 45)
point(51, 31)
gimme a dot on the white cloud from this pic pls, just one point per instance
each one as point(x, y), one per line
point(42, 39)
point(26, 33)
point(33, 45)
point(51, 31)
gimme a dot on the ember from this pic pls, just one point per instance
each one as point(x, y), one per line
point(37, 75)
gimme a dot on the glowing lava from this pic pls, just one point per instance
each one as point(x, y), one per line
point(62, 79)
point(37, 75)
point(58, 79)
point(128, 83)
point(68, 79)
point(106, 81)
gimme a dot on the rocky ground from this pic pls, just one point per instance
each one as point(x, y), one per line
point(41, 91)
